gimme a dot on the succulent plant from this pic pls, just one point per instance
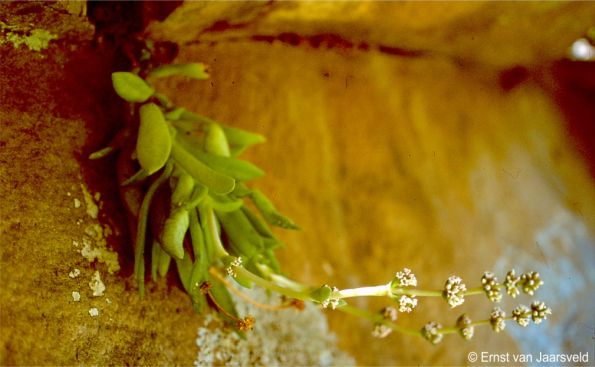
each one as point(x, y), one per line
point(193, 212)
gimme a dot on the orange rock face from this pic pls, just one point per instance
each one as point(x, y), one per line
point(426, 136)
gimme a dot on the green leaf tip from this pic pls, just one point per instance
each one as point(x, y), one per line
point(193, 70)
point(131, 87)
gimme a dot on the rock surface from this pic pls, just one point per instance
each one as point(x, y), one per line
point(399, 135)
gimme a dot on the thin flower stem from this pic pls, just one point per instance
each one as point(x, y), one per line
point(241, 271)
point(379, 290)
point(244, 296)
point(454, 329)
point(377, 318)
point(383, 291)
point(417, 292)
point(474, 291)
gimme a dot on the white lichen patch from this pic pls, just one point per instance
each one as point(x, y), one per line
point(96, 285)
point(76, 296)
point(283, 338)
point(74, 273)
point(100, 253)
point(35, 39)
point(94, 312)
point(92, 208)
point(77, 203)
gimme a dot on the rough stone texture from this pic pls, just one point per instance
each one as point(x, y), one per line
point(54, 105)
point(408, 152)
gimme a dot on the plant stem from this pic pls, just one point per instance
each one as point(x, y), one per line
point(241, 271)
point(139, 250)
point(474, 291)
point(379, 290)
point(417, 292)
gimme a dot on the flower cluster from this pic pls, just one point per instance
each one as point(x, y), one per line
point(231, 268)
point(510, 283)
point(389, 313)
point(491, 287)
point(381, 330)
point(527, 282)
point(431, 332)
point(331, 302)
point(454, 291)
point(464, 326)
point(404, 278)
point(530, 282)
point(407, 303)
point(522, 315)
point(497, 318)
point(539, 312)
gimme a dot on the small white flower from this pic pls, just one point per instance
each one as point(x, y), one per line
point(530, 282)
point(407, 303)
point(511, 283)
point(332, 301)
point(539, 312)
point(522, 315)
point(231, 268)
point(497, 319)
point(465, 328)
point(431, 332)
point(381, 331)
point(404, 278)
point(389, 313)
point(491, 287)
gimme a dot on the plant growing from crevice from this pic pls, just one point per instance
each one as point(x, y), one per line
point(193, 212)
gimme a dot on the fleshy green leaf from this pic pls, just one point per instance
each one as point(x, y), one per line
point(184, 266)
point(164, 262)
point(154, 142)
point(155, 256)
point(213, 180)
point(131, 87)
point(241, 233)
point(160, 261)
point(240, 140)
point(192, 70)
point(101, 153)
point(223, 299)
point(321, 294)
point(198, 195)
point(232, 167)
point(175, 114)
point(140, 175)
point(241, 190)
point(141, 232)
point(225, 206)
point(183, 189)
point(216, 141)
point(236, 168)
point(174, 230)
point(270, 213)
point(201, 263)
point(258, 225)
